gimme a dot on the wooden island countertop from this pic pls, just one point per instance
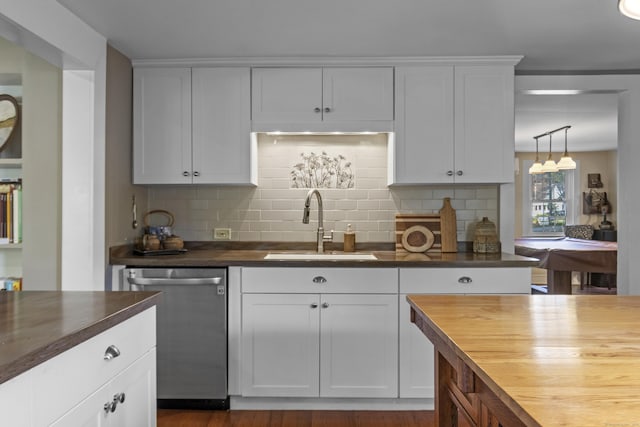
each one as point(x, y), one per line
point(542, 360)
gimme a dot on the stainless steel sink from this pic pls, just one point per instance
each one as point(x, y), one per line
point(324, 256)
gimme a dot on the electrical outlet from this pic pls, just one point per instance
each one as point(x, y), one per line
point(221, 234)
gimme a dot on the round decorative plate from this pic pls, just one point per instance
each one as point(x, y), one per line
point(417, 238)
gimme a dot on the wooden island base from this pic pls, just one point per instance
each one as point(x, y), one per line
point(462, 399)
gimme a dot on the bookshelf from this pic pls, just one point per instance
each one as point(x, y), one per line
point(10, 219)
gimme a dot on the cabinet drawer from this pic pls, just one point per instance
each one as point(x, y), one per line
point(465, 280)
point(63, 381)
point(308, 280)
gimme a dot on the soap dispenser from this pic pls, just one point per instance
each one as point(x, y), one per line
point(349, 239)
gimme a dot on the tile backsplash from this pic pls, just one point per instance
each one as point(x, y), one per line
point(272, 211)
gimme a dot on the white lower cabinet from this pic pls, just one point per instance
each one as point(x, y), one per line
point(416, 351)
point(127, 400)
point(315, 344)
point(15, 398)
point(280, 345)
point(73, 388)
point(359, 346)
point(346, 332)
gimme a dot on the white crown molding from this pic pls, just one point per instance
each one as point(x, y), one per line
point(329, 61)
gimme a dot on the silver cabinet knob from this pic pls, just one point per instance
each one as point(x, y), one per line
point(325, 304)
point(119, 397)
point(111, 352)
point(449, 173)
point(109, 407)
point(317, 110)
point(327, 109)
point(459, 173)
point(196, 173)
point(465, 279)
point(185, 173)
point(319, 279)
point(314, 305)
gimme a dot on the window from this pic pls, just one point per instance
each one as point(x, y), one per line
point(548, 202)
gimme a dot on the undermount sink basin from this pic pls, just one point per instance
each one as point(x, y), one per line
point(317, 256)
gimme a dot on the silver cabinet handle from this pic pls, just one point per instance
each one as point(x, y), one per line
point(113, 405)
point(196, 173)
point(111, 352)
point(449, 173)
point(459, 173)
point(185, 173)
point(325, 304)
point(314, 305)
point(327, 109)
point(465, 279)
point(317, 110)
point(142, 281)
point(319, 279)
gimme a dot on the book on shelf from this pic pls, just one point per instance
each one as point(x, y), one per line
point(11, 212)
point(11, 283)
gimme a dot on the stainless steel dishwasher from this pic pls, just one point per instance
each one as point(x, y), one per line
point(191, 334)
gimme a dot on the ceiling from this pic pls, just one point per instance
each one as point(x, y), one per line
point(568, 36)
point(593, 118)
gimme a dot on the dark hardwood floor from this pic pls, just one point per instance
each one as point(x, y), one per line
point(191, 418)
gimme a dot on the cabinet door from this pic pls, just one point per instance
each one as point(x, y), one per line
point(161, 125)
point(424, 125)
point(290, 95)
point(357, 94)
point(221, 126)
point(88, 413)
point(15, 405)
point(484, 124)
point(359, 346)
point(136, 404)
point(137, 386)
point(280, 345)
point(416, 357)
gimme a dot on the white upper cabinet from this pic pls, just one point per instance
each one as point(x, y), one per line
point(298, 99)
point(192, 126)
point(454, 124)
point(424, 124)
point(286, 94)
point(484, 124)
point(221, 125)
point(161, 125)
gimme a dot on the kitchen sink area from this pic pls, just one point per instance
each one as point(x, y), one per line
point(311, 256)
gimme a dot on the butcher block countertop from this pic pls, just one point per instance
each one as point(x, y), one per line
point(35, 326)
point(251, 254)
point(553, 360)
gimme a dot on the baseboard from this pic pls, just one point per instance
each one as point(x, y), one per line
point(343, 404)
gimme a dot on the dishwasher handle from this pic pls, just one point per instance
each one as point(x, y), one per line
point(146, 281)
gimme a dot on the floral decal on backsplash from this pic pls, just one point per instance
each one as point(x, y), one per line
point(322, 171)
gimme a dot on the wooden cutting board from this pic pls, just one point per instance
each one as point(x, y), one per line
point(448, 233)
point(423, 229)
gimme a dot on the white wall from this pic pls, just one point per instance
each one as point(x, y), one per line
point(52, 32)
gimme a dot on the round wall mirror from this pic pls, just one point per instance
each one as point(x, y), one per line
point(9, 118)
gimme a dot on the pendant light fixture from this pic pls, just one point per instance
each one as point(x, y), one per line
point(630, 8)
point(566, 162)
point(549, 165)
point(536, 167)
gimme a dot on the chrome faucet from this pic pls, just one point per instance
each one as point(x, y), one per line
point(321, 238)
